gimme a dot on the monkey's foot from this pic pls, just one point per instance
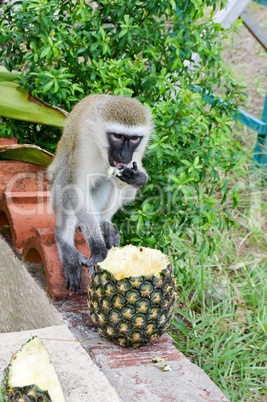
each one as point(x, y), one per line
point(72, 266)
point(83, 260)
point(110, 234)
point(95, 258)
point(86, 261)
point(73, 277)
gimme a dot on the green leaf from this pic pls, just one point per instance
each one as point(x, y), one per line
point(186, 162)
point(48, 86)
point(26, 153)
point(45, 52)
point(19, 105)
point(196, 161)
point(174, 178)
point(123, 32)
point(6, 75)
point(178, 323)
point(94, 46)
point(140, 224)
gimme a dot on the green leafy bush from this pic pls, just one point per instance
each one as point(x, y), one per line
point(69, 49)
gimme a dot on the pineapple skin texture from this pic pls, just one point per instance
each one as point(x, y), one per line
point(27, 394)
point(132, 311)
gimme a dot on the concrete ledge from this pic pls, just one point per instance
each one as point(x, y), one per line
point(23, 304)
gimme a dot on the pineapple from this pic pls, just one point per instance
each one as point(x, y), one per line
point(132, 295)
point(30, 376)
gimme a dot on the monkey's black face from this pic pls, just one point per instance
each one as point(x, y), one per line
point(121, 148)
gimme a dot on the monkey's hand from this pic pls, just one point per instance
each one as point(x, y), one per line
point(98, 254)
point(133, 176)
point(72, 265)
point(73, 269)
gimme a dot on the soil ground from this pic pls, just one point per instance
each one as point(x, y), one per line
point(248, 60)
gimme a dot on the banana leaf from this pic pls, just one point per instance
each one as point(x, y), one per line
point(20, 105)
point(25, 153)
point(6, 75)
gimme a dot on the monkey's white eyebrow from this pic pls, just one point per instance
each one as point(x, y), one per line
point(128, 136)
point(124, 129)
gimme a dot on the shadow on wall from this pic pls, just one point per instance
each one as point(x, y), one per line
point(23, 304)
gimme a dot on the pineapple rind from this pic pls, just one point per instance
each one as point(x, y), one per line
point(141, 309)
point(28, 393)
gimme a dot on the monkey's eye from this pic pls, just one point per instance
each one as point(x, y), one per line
point(135, 138)
point(117, 136)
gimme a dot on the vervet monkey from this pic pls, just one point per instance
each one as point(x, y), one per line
point(97, 169)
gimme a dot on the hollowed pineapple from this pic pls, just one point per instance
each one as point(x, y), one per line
point(132, 295)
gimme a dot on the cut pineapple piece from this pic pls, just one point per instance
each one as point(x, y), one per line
point(132, 295)
point(112, 171)
point(31, 375)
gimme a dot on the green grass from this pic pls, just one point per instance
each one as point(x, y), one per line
point(221, 321)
